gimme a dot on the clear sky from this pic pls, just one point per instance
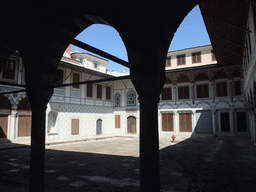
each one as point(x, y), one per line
point(191, 33)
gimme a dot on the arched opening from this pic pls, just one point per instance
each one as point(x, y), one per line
point(99, 127)
point(183, 79)
point(5, 106)
point(131, 98)
point(24, 121)
point(131, 125)
point(105, 38)
point(201, 77)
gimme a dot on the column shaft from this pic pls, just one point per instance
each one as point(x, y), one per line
point(37, 150)
point(149, 146)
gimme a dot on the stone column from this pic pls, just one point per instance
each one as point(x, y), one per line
point(193, 120)
point(213, 91)
point(12, 124)
point(230, 83)
point(175, 93)
point(193, 92)
point(214, 123)
point(232, 124)
point(176, 122)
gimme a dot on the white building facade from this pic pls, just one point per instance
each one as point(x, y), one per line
point(199, 97)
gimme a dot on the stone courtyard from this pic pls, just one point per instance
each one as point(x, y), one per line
point(112, 164)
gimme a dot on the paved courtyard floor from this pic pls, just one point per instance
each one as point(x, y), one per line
point(212, 164)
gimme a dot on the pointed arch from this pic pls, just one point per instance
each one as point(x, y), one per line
point(201, 77)
point(183, 79)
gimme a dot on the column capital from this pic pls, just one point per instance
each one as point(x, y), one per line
point(213, 111)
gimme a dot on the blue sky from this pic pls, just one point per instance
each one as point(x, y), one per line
point(191, 33)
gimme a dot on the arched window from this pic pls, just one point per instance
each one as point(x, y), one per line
point(131, 98)
point(117, 99)
point(201, 77)
point(183, 79)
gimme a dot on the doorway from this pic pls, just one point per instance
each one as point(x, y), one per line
point(241, 122)
point(99, 127)
point(131, 125)
point(224, 121)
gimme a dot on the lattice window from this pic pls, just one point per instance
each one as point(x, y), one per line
point(74, 126)
point(222, 89)
point(167, 122)
point(183, 92)
point(117, 99)
point(167, 93)
point(131, 98)
point(117, 121)
point(202, 91)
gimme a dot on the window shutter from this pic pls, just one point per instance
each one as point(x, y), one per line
point(99, 91)
point(108, 91)
point(76, 78)
point(164, 122)
point(117, 121)
point(89, 90)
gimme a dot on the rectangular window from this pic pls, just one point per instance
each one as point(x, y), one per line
point(221, 88)
point(167, 93)
point(237, 88)
point(185, 122)
point(59, 77)
point(76, 78)
point(213, 56)
point(167, 122)
point(108, 93)
point(183, 92)
point(74, 126)
point(99, 91)
point(181, 59)
point(89, 90)
point(117, 121)
point(202, 91)
point(196, 57)
point(168, 62)
point(8, 70)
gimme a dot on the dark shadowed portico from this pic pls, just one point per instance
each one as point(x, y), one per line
point(42, 30)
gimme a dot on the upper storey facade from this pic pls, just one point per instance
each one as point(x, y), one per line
point(191, 57)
